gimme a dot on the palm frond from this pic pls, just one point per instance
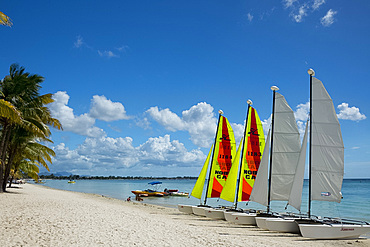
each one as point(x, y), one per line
point(5, 20)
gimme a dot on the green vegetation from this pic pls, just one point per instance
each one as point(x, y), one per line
point(24, 126)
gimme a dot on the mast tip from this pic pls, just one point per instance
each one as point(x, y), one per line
point(311, 72)
point(249, 102)
point(220, 112)
point(274, 88)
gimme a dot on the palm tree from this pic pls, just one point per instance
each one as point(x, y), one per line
point(5, 20)
point(21, 91)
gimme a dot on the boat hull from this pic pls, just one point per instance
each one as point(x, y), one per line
point(242, 218)
point(149, 193)
point(334, 231)
point(261, 222)
point(217, 214)
point(185, 208)
point(200, 211)
point(282, 225)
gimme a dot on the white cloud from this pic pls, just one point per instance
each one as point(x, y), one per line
point(199, 121)
point(105, 155)
point(238, 131)
point(266, 123)
point(289, 3)
point(79, 42)
point(250, 17)
point(166, 118)
point(163, 151)
point(328, 19)
point(107, 54)
point(350, 113)
point(142, 122)
point(123, 48)
point(302, 12)
point(301, 114)
point(317, 3)
point(82, 125)
point(106, 110)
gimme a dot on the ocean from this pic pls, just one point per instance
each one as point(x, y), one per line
point(355, 203)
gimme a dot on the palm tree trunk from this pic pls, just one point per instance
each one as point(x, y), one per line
point(4, 143)
point(13, 176)
point(3, 137)
point(8, 166)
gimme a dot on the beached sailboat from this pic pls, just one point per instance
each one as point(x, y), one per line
point(287, 223)
point(326, 168)
point(241, 178)
point(276, 182)
point(221, 155)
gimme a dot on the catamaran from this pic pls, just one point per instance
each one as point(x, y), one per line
point(221, 155)
point(241, 178)
point(326, 168)
point(276, 182)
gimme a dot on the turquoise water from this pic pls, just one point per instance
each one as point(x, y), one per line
point(355, 203)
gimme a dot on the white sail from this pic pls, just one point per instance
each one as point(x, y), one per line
point(286, 150)
point(327, 159)
point(259, 191)
point(295, 198)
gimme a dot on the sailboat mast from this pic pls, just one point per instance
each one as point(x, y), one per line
point(311, 72)
point(220, 112)
point(249, 102)
point(274, 89)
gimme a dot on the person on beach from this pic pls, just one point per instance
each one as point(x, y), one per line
point(129, 199)
point(138, 198)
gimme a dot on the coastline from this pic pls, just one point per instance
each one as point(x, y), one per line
point(34, 215)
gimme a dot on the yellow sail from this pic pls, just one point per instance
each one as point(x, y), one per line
point(198, 187)
point(224, 152)
point(254, 143)
point(228, 192)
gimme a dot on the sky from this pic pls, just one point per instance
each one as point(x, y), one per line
point(137, 84)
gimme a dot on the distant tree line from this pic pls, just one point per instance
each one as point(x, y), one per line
point(78, 177)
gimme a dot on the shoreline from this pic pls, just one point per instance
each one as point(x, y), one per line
point(34, 215)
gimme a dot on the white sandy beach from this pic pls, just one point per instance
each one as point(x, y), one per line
point(34, 215)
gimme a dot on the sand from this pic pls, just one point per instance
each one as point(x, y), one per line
point(33, 215)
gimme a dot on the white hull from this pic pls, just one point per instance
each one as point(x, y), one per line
point(188, 209)
point(242, 218)
point(200, 211)
point(261, 222)
point(229, 215)
point(213, 213)
point(282, 225)
point(334, 231)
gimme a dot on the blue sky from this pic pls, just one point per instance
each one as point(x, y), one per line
point(138, 84)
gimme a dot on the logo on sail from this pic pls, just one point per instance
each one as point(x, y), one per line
point(253, 132)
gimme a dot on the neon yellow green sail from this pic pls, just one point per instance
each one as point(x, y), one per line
point(254, 143)
point(198, 187)
point(228, 193)
point(223, 156)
